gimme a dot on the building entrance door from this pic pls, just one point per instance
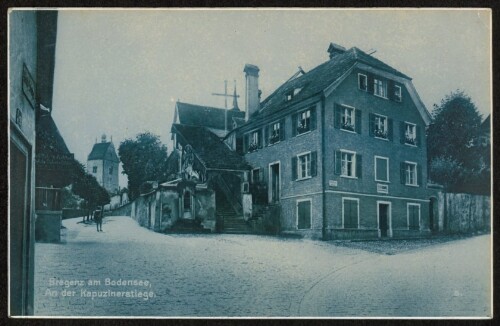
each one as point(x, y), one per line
point(383, 214)
point(19, 230)
point(274, 182)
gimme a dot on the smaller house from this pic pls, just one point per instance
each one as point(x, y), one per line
point(206, 188)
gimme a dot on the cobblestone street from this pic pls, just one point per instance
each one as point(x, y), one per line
point(246, 275)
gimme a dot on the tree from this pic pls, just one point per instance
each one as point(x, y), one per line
point(87, 187)
point(144, 159)
point(450, 143)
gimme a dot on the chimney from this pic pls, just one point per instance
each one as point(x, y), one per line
point(335, 50)
point(252, 98)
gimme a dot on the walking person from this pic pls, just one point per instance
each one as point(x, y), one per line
point(98, 219)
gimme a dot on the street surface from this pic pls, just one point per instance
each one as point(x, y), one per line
point(131, 271)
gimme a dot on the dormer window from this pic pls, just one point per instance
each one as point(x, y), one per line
point(292, 93)
point(380, 88)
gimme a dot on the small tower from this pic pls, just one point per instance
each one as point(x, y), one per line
point(102, 163)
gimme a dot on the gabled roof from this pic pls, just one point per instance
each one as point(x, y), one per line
point(318, 79)
point(100, 150)
point(206, 116)
point(238, 121)
point(51, 150)
point(213, 152)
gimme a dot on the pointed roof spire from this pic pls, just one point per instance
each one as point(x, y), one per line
point(235, 98)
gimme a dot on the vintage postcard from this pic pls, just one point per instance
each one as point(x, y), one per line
point(250, 163)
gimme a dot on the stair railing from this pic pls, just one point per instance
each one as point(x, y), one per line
point(230, 196)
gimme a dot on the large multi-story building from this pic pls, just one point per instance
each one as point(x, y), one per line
point(341, 149)
point(102, 163)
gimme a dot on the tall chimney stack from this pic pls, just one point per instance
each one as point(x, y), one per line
point(252, 98)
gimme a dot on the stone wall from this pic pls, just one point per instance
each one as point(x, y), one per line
point(461, 213)
point(72, 212)
point(125, 210)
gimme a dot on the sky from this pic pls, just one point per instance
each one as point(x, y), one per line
point(120, 72)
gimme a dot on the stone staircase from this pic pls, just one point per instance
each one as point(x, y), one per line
point(232, 223)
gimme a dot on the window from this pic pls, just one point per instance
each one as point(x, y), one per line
point(348, 164)
point(255, 175)
point(380, 126)
point(94, 169)
point(110, 170)
point(275, 133)
point(381, 169)
point(304, 122)
point(380, 88)
point(254, 141)
point(362, 82)
point(304, 214)
point(350, 213)
point(347, 118)
point(304, 166)
point(410, 134)
point(413, 216)
point(409, 171)
point(292, 93)
point(397, 93)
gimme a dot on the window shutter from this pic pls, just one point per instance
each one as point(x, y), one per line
point(338, 162)
point(294, 168)
point(403, 173)
point(418, 136)
point(372, 124)
point(336, 118)
point(402, 127)
point(245, 143)
point(419, 174)
point(282, 129)
point(358, 121)
point(390, 90)
point(266, 134)
point(313, 118)
point(359, 164)
point(389, 129)
point(314, 160)
point(370, 83)
point(259, 140)
point(261, 175)
point(294, 124)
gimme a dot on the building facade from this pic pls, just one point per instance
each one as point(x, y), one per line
point(32, 39)
point(339, 151)
point(342, 149)
point(102, 163)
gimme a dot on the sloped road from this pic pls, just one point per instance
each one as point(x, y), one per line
point(130, 271)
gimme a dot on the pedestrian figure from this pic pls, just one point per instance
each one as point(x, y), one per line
point(98, 219)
